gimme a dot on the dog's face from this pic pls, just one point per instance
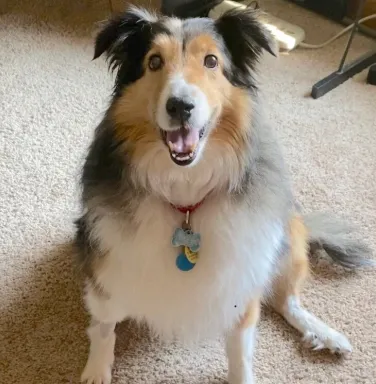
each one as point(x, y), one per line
point(192, 93)
point(177, 78)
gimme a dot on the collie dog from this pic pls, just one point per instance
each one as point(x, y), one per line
point(189, 221)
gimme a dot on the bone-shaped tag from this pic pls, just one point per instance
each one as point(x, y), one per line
point(186, 238)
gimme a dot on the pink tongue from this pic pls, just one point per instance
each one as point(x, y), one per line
point(183, 140)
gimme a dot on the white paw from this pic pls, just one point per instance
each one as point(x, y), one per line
point(96, 375)
point(333, 340)
point(245, 377)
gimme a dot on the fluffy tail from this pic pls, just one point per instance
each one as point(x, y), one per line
point(336, 238)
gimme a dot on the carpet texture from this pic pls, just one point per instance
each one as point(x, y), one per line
point(52, 95)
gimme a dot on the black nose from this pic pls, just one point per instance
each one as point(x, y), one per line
point(179, 108)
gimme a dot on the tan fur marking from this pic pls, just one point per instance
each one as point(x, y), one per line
point(133, 111)
point(138, 133)
point(296, 269)
point(234, 122)
point(252, 314)
point(170, 50)
point(232, 103)
point(299, 267)
point(211, 81)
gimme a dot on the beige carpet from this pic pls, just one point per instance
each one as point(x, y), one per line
point(52, 96)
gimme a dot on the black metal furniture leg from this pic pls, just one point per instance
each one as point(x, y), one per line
point(371, 78)
point(345, 72)
point(335, 79)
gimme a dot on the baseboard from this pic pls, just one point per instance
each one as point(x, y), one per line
point(369, 9)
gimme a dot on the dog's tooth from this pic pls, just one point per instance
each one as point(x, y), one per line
point(191, 155)
point(170, 145)
point(174, 155)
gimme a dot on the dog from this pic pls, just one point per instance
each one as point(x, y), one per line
point(189, 220)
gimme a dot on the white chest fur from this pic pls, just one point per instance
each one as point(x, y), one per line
point(236, 261)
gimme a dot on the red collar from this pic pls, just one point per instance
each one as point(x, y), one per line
point(189, 208)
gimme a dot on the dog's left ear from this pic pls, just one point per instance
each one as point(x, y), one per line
point(245, 38)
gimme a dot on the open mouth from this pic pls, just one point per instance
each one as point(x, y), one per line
point(183, 143)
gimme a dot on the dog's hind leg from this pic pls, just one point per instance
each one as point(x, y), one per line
point(287, 288)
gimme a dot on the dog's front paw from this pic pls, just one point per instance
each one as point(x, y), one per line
point(332, 340)
point(241, 377)
point(96, 374)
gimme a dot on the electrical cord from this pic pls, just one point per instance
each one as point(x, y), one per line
point(347, 29)
point(254, 4)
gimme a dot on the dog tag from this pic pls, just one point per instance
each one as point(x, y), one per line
point(183, 263)
point(189, 241)
point(191, 256)
point(185, 237)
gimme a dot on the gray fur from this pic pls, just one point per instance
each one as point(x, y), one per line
point(107, 189)
point(335, 237)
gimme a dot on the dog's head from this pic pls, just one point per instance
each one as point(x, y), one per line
point(177, 80)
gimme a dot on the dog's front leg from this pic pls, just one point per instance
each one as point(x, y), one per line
point(105, 313)
point(240, 345)
point(101, 355)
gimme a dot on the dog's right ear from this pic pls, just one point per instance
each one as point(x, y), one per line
point(115, 36)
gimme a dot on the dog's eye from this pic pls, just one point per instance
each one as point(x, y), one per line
point(155, 62)
point(210, 61)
